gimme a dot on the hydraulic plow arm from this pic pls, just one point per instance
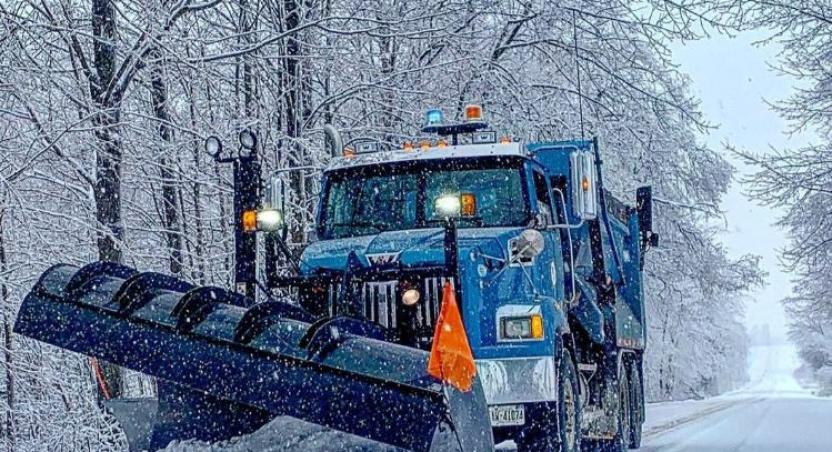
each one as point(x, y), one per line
point(226, 368)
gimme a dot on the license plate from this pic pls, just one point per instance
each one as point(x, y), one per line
point(503, 415)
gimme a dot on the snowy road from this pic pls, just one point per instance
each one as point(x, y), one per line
point(773, 413)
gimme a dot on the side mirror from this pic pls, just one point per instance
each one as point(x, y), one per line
point(271, 216)
point(274, 193)
point(584, 187)
point(644, 209)
point(526, 246)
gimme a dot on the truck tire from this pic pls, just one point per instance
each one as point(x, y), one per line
point(562, 431)
point(569, 405)
point(637, 404)
point(625, 412)
point(620, 441)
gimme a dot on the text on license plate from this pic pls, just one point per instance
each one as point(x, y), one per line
point(502, 415)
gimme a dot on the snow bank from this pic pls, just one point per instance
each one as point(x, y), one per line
point(286, 434)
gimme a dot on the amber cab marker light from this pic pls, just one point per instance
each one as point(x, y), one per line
point(249, 220)
point(473, 113)
point(407, 146)
point(349, 153)
point(468, 204)
point(505, 139)
point(585, 184)
point(424, 145)
point(442, 144)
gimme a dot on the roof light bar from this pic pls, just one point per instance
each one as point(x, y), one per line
point(473, 121)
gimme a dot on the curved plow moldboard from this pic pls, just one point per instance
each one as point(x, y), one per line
point(227, 367)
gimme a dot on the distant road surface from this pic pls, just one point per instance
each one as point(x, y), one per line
point(773, 413)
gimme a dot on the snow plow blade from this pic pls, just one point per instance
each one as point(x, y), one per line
point(226, 367)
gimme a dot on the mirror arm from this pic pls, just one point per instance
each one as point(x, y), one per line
point(577, 225)
point(451, 248)
point(272, 239)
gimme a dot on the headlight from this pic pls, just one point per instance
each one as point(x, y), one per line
point(518, 328)
point(247, 139)
point(448, 206)
point(269, 220)
point(411, 297)
point(213, 145)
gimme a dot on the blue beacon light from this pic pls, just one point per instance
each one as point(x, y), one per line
point(433, 117)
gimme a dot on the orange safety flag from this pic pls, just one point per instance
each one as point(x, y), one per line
point(451, 359)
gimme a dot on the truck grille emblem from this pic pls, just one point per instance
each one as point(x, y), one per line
point(380, 259)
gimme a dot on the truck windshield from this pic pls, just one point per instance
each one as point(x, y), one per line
point(371, 199)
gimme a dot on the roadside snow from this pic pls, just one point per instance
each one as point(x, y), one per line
point(773, 413)
point(771, 370)
point(286, 434)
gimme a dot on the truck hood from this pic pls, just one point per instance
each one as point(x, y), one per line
point(409, 248)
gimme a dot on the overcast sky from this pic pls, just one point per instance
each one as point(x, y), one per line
point(733, 79)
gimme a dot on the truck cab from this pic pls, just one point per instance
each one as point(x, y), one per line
point(545, 263)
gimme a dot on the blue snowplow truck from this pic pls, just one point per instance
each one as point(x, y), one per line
point(545, 264)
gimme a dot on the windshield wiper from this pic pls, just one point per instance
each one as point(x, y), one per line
point(477, 221)
point(359, 224)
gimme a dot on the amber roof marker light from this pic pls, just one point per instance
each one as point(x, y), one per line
point(473, 113)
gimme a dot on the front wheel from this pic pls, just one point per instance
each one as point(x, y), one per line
point(569, 406)
point(561, 429)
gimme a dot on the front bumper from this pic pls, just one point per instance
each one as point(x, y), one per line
point(518, 380)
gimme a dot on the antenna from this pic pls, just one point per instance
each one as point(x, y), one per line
point(578, 72)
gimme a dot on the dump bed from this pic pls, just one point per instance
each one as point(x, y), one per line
point(626, 264)
point(618, 227)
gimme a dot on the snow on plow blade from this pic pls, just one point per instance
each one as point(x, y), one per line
point(226, 368)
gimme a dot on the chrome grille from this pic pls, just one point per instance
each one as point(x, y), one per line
point(380, 301)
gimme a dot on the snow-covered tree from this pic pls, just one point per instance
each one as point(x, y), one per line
point(799, 180)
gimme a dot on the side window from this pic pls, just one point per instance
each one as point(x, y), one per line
point(558, 188)
point(544, 202)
